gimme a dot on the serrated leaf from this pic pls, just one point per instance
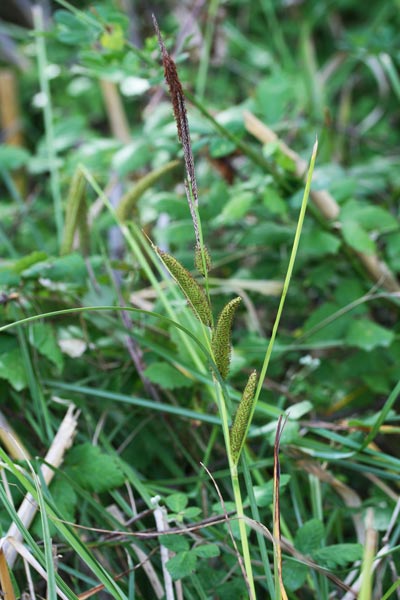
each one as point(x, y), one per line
point(94, 470)
point(174, 542)
point(309, 536)
point(166, 376)
point(12, 369)
point(367, 335)
point(356, 237)
point(176, 502)
point(337, 555)
point(182, 564)
point(42, 338)
point(207, 551)
point(264, 494)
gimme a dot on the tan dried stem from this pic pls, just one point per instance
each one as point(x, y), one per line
point(54, 457)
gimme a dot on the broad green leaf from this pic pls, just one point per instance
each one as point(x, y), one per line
point(337, 555)
point(294, 574)
point(268, 234)
point(236, 208)
point(366, 334)
point(175, 542)
point(317, 243)
point(74, 31)
point(166, 376)
point(264, 494)
point(221, 147)
point(92, 469)
point(181, 565)
point(29, 260)
point(326, 329)
point(12, 369)
point(309, 536)
point(369, 216)
point(207, 550)
point(42, 338)
point(12, 157)
point(274, 202)
point(176, 502)
point(357, 237)
point(191, 512)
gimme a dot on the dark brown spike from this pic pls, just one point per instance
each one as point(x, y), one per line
point(179, 108)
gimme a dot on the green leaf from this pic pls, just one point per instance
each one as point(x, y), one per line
point(12, 157)
point(176, 502)
point(370, 217)
point(191, 512)
point(337, 555)
point(182, 565)
point(367, 335)
point(94, 470)
point(27, 261)
point(42, 338)
point(274, 202)
point(294, 574)
point(67, 269)
point(74, 31)
point(12, 369)
point(356, 237)
point(221, 147)
point(309, 536)
point(317, 243)
point(166, 376)
point(236, 208)
point(174, 542)
point(113, 38)
point(207, 550)
point(264, 494)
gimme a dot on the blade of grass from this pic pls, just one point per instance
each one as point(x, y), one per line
point(288, 276)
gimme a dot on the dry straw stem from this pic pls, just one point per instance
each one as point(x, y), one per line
point(55, 456)
point(241, 420)
point(221, 339)
point(10, 440)
point(6, 586)
point(324, 201)
point(194, 293)
point(115, 111)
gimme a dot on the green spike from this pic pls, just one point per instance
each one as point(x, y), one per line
point(221, 339)
point(76, 213)
point(241, 420)
point(194, 293)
